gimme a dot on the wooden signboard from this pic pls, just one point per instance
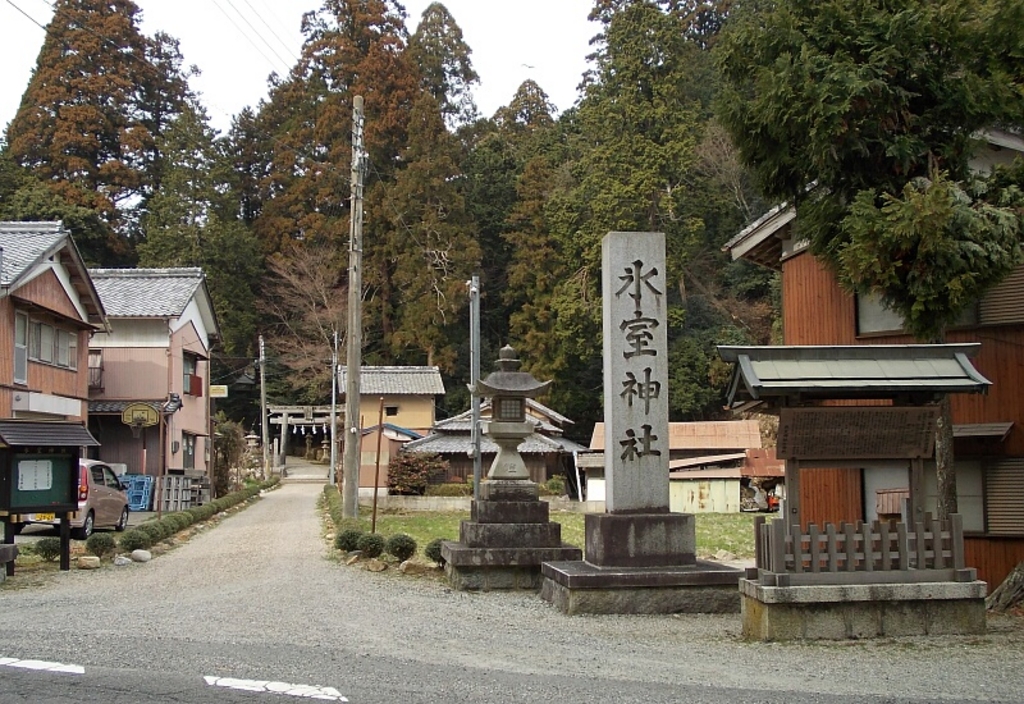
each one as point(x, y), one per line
point(856, 433)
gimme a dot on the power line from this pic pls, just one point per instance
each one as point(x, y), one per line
point(276, 36)
point(246, 20)
point(30, 17)
point(242, 32)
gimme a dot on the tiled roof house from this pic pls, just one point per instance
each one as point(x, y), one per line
point(157, 352)
point(49, 308)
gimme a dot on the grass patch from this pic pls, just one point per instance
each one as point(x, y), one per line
point(733, 532)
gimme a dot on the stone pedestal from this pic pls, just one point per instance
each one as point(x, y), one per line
point(508, 537)
point(641, 564)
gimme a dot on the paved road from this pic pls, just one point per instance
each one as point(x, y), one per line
point(254, 609)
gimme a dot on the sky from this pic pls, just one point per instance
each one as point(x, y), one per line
point(237, 44)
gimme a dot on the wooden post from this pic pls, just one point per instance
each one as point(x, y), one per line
point(867, 546)
point(833, 556)
point(793, 494)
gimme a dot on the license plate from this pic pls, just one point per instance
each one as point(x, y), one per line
point(44, 517)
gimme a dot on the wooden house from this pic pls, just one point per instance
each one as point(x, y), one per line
point(49, 309)
point(156, 353)
point(988, 429)
point(706, 459)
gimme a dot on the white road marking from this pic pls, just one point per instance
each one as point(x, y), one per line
point(329, 694)
point(42, 665)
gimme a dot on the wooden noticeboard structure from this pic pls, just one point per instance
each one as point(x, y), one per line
point(896, 389)
point(39, 474)
point(839, 406)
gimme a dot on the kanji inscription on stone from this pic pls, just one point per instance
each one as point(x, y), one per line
point(635, 372)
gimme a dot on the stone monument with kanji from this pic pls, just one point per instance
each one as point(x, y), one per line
point(639, 556)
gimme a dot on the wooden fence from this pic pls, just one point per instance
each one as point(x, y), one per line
point(877, 553)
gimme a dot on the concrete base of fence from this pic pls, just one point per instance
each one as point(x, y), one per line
point(834, 612)
point(582, 588)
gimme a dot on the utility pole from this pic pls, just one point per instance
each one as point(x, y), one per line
point(334, 410)
point(474, 378)
point(263, 410)
point(353, 434)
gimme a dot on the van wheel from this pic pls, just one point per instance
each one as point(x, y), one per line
point(86, 530)
point(122, 522)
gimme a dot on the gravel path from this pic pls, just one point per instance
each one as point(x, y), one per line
point(264, 583)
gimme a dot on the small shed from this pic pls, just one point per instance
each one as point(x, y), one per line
point(842, 405)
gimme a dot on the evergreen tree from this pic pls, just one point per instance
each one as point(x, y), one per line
point(865, 116)
point(188, 223)
point(94, 107)
point(437, 48)
point(352, 47)
point(432, 245)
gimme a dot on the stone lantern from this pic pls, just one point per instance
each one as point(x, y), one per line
point(508, 388)
point(510, 533)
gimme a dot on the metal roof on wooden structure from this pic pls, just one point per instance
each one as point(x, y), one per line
point(702, 435)
point(24, 433)
point(797, 373)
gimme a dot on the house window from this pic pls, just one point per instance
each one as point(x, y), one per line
point(51, 345)
point(20, 348)
point(189, 367)
point(95, 369)
point(873, 317)
point(391, 410)
point(188, 446)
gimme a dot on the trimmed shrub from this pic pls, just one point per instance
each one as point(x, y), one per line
point(409, 473)
point(155, 530)
point(433, 551)
point(401, 546)
point(135, 539)
point(48, 548)
point(179, 521)
point(348, 539)
point(100, 544)
point(371, 544)
point(449, 489)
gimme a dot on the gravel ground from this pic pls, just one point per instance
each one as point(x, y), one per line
point(264, 581)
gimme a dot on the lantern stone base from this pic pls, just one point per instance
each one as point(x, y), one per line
point(508, 537)
point(641, 564)
point(839, 612)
